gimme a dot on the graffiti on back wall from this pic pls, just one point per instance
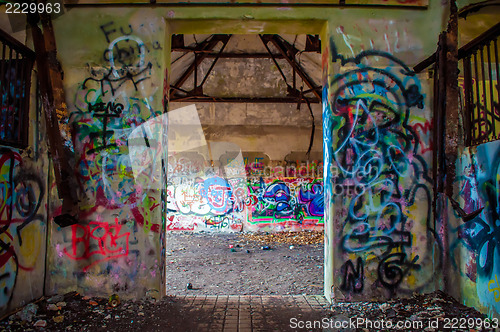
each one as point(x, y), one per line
point(295, 200)
point(219, 204)
point(22, 226)
point(375, 147)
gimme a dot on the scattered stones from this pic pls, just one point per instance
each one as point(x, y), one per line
point(58, 319)
point(52, 307)
point(27, 313)
point(40, 323)
point(248, 259)
point(56, 298)
point(414, 309)
point(384, 306)
point(94, 303)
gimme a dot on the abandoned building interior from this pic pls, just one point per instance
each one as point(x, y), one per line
point(371, 121)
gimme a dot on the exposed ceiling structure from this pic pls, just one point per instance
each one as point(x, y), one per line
point(246, 68)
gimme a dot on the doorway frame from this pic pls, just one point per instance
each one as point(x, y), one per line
point(248, 25)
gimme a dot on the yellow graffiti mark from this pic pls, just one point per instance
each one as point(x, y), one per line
point(29, 253)
point(412, 280)
point(496, 290)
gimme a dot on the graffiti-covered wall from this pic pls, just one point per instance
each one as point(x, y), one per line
point(380, 238)
point(23, 182)
point(114, 83)
point(377, 121)
point(474, 246)
point(248, 198)
point(208, 202)
point(286, 204)
point(219, 204)
point(23, 216)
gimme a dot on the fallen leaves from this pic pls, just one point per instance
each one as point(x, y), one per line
point(297, 238)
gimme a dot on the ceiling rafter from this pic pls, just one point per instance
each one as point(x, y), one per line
point(214, 62)
point(205, 50)
point(207, 45)
point(289, 51)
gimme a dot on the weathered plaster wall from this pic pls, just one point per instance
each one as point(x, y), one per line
point(275, 130)
point(286, 204)
point(114, 74)
point(23, 211)
point(23, 216)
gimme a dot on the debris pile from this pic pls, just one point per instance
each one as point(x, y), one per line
point(435, 311)
point(74, 312)
point(296, 238)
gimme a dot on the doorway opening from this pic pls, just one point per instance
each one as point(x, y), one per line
point(245, 208)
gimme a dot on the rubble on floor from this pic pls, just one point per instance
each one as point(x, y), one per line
point(296, 238)
point(435, 311)
point(74, 312)
point(276, 313)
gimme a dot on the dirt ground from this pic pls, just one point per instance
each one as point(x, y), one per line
point(219, 265)
point(236, 264)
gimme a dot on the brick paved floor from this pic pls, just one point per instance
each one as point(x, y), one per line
point(250, 313)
